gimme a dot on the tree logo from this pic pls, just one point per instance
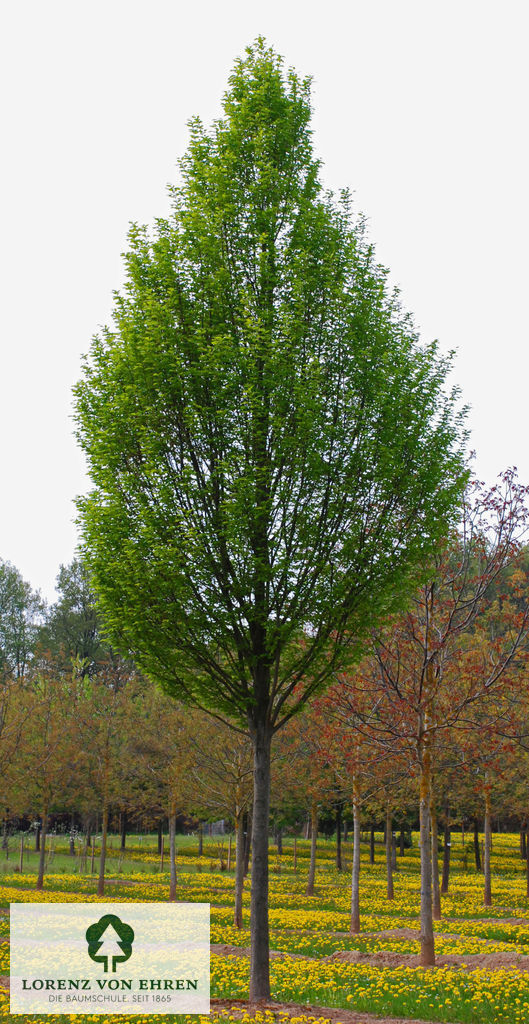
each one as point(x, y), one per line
point(109, 941)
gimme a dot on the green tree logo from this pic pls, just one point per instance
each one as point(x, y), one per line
point(109, 941)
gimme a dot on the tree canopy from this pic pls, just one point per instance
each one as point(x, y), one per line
point(271, 448)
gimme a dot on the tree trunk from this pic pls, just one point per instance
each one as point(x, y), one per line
point(487, 898)
point(160, 836)
point(295, 854)
point(247, 841)
point(523, 844)
point(279, 841)
point(172, 854)
point(446, 855)
point(401, 843)
point(389, 854)
point(477, 856)
point(103, 853)
point(355, 877)
point(339, 837)
point(42, 847)
point(313, 839)
point(259, 926)
point(436, 896)
point(123, 830)
point(372, 845)
point(200, 840)
point(239, 870)
point(527, 874)
point(37, 837)
point(427, 955)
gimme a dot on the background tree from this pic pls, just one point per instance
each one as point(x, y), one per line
point(434, 664)
point(21, 613)
point(72, 629)
point(271, 449)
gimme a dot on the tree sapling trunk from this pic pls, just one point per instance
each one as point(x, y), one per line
point(313, 840)
point(355, 876)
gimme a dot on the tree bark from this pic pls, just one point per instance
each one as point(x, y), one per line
point(527, 874)
point(42, 851)
point(487, 897)
point(523, 844)
point(172, 854)
point(477, 855)
point(103, 853)
point(279, 841)
point(313, 840)
point(447, 845)
point(436, 895)
point(123, 830)
point(259, 926)
point(389, 854)
point(372, 845)
point(355, 876)
point(200, 840)
point(339, 837)
point(427, 955)
point(239, 870)
point(160, 836)
point(247, 841)
point(401, 843)
point(37, 837)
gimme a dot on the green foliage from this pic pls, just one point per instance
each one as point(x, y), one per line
point(271, 448)
point(72, 629)
point(20, 613)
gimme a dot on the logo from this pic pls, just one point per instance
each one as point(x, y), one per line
point(109, 941)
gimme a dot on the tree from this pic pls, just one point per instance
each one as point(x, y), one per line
point(272, 450)
point(47, 760)
point(71, 630)
point(20, 613)
point(435, 665)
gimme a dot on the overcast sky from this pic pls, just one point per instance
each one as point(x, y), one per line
point(420, 109)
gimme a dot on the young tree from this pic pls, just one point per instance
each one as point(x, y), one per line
point(272, 450)
point(435, 664)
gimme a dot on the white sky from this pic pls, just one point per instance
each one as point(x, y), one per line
point(420, 109)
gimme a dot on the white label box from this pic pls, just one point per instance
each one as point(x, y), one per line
point(109, 958)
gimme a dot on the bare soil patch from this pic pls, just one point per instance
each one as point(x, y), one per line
point(321, 1013)
point(387, 958)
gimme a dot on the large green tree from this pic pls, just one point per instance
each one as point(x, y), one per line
point(271, 448)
